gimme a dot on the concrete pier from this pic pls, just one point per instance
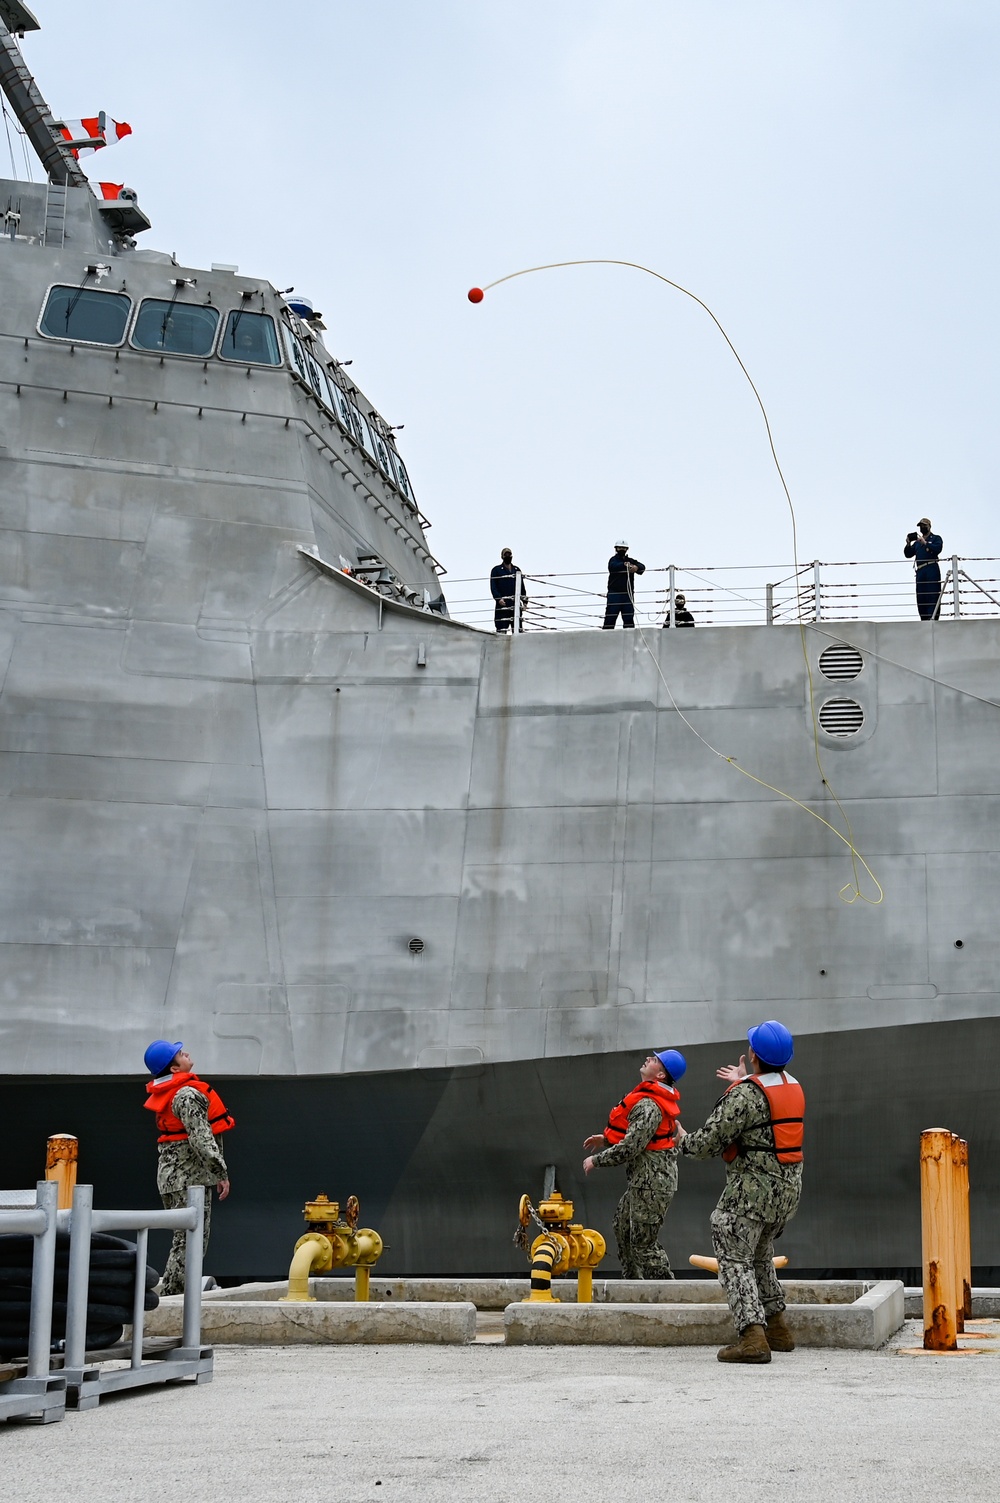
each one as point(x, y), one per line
point(492, 1423)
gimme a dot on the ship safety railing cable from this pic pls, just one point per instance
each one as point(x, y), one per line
point(851, 892)
point(10, 144)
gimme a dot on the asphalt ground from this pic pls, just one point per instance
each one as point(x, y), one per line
point(563, 1425)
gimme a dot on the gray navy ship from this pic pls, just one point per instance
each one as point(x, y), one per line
point(418, 897)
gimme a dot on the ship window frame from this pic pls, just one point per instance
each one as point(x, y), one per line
point(402, 481)
point(344, 423)
point(381, 446)
point(265, 365)
point(292, 344)
point(92, 344)
point(295, 347)
point(143, 349)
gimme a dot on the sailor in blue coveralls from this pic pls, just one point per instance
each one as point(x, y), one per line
point(924, 547)
point(503, 578)
point(621, 587)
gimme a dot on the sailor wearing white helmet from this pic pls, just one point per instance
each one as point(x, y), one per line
point(621, 587)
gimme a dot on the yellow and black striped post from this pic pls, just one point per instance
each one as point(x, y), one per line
point(545, 1253)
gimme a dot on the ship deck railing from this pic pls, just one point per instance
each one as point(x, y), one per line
point(746, 595)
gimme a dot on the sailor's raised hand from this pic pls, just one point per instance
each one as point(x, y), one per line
point(595, 1143)
point(733, 1073)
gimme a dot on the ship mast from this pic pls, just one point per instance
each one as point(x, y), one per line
point(36, 118)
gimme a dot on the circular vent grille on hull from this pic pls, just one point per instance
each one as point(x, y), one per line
point(841, 717)
point(841, 661)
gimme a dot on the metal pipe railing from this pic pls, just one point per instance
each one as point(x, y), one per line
point(877, 590)
point(88, 1382)
point(40, 1393)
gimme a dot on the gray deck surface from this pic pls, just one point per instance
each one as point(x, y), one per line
point(488, 1422)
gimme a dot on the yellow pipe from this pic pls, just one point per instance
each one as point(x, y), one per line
point(313, 1252)
point(362, 1283)
point(585, 1286)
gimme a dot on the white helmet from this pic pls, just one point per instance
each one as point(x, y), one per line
point(621, 543)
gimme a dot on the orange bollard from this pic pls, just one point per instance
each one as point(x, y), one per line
point(963, 1239)
point(61, 1153)
point(937, 1224)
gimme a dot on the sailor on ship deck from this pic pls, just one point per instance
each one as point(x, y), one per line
point(924, 547)
point(503, 586)
point(621, 587)
point(682, 616)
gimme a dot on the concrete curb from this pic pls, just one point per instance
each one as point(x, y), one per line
point(864, 1325)
point(497, 1294)
point(325, 1323)
point(985, 1304)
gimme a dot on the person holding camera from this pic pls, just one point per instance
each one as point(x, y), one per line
point(924, 547)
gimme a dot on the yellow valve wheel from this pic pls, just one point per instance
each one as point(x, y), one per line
point(524, 1211)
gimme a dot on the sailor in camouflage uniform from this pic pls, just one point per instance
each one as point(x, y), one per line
point(190, 1115)
point(757, 1128)
point(641, 1135)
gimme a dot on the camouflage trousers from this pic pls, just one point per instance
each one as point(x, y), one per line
point(744, 1248)
point(637, 1224)
point(173, 1274)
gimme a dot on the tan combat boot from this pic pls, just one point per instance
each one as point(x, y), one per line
point(751, 1347)
point(779, 1337)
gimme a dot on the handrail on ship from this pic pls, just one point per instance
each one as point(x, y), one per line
point(747, 595)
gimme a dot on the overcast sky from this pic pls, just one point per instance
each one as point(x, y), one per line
point(823, 175)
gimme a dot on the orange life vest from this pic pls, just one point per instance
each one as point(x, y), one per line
point(786, 1102)
point(160, 1095)
point(667, 1098)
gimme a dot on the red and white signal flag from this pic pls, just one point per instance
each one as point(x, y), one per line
point(101, 129)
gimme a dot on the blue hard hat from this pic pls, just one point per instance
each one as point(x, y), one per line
point(159, 1055)
point(772, 1043)
point(673, 1062)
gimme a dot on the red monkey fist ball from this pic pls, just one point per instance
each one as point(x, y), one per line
point(476, 294)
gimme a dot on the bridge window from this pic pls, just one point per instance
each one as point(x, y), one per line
point(173, 328)
point(85, 315)
point(250, 338)
point(402, 479)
